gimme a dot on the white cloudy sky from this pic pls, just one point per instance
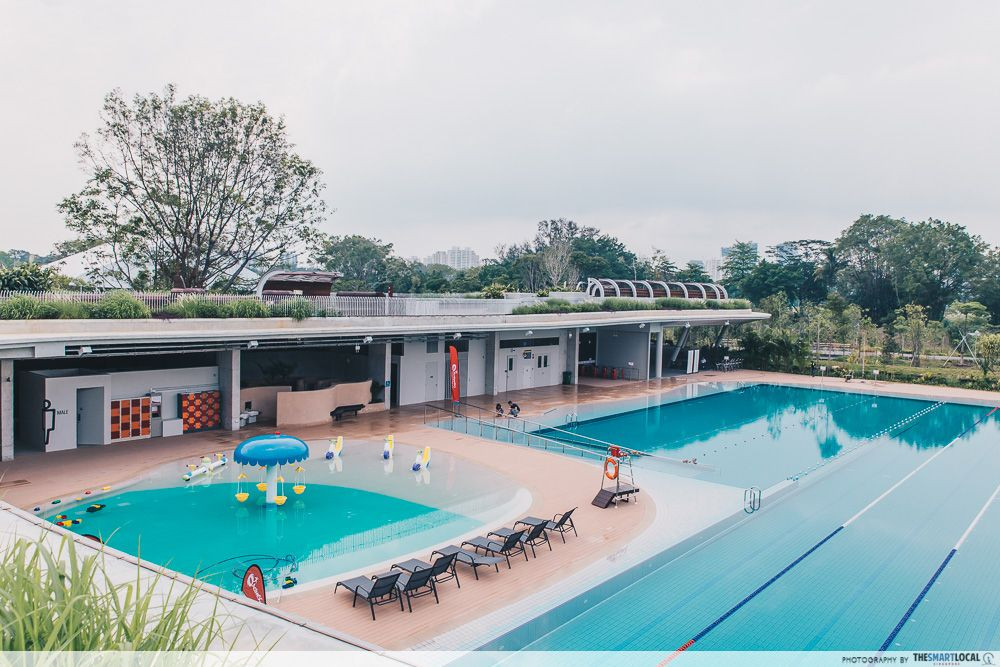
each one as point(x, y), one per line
point(679, 125)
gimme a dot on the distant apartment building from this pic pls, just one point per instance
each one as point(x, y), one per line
point(456, 258)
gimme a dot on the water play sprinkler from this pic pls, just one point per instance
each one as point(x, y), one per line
point(300, 485)
point(241, 495)
point(423, 459)
point(270, 452)
point(336, 447)
point(207, 465)
point(389, 446)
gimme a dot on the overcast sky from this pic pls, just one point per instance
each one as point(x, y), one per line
point(678, 125)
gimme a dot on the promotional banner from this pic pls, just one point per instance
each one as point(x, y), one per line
point(453, 372)
point(253, 584)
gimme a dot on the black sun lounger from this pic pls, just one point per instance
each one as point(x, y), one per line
point(380, 589)
point(470, 558)
point(416, 584)
point(442, 569)
point(511, 546)
point(341, 411)
point(560, 523)
point(534, 535)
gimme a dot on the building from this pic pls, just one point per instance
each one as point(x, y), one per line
point(456, 258)
point(726, 249)
point(70, 383)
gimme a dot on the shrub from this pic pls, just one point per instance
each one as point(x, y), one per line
point(496, 291)
point(63, 600)
point(28, 277)
point(196, 307)
point(542, 292)
point(120, 305)
point(70, 310)
point(617, 304)
point(298, 308)
point(20, 308)
point(677, 303)
point(247, 308)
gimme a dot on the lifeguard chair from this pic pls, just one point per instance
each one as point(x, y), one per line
point(617, 479)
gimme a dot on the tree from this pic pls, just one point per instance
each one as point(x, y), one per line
point(739, 264)
point(988, 352)
point(661, 267)
point(363, 261)
point(29, 277)
point(912, 320)
point(866, 277)
point(556, 264)
point(191, 193)
point(933, 263)
point(986, 283)
point(693, 272)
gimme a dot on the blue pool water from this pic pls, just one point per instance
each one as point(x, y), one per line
point(202, 531)
point(842, 562)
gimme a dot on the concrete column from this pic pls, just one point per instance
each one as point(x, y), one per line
point(492, 348)
point(658, 372)
point(681, 343)
point(573, 350)
point(6, 409)
point(229, 387)
point(386, 393)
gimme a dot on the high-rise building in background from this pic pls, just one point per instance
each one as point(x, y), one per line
point(456, 258)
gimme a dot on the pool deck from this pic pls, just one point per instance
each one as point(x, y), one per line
point(669, 510)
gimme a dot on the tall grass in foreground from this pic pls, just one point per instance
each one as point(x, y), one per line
point(61, 600)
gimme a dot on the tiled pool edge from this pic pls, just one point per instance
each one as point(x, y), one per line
point(530, 630)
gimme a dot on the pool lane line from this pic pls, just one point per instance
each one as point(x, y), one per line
point(937, 573)
point(739, 605)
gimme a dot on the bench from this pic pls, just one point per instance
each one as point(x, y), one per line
point(340, 411)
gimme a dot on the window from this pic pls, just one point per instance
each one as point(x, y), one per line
point(543, 361)
point(510, 363)
point(528, 342)
point(432, 346)
point(397, 349)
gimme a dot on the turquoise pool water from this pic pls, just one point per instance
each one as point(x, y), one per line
point(201, 530)
point(760, 434)
point(893, 547)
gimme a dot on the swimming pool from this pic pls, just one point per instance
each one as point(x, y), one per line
point(353, 512)
point(891, 548)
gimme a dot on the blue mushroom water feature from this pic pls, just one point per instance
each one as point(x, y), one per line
point(271, 451)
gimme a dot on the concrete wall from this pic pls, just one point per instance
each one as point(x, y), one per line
point(525, 373)
point(624, 348)
point(60, 387)
point(263, 399)
point(413, 381)
point(306, 408)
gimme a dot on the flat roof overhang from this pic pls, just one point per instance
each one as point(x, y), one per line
point(51, 338)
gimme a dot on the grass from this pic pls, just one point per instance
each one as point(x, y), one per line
point(61, 600)
point(617, 304)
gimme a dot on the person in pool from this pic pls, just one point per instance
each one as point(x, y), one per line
point(513, 409)
point(499, 410)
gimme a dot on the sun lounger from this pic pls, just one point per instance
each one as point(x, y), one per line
point(534, 535)
point(510, 546)
point(560, 523)
point(380, 589)
point(443, 568)
point(470, 558)
point(416, 584)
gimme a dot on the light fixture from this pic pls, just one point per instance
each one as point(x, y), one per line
point(86, 349)
point(357, 348)
point(367, 339)
point(642, 325)
point(457, 335)
point(251, 344)
point(529, 333)
point(586, 330)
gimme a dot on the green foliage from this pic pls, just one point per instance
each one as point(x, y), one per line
point(912, 320)
point(677, 303)
point(247, 309)
point(988, 352)
point(20, 307)
point(297, 308)
point(196, 307)
point(496, 290)
point(617, 304)
point(194, 189)
point(120, 305)
point(740, 263)
point(693, 272)
point(28, 277)
point(62, 600)
point(774, 349)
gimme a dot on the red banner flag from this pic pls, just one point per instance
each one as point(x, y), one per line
point(253, 584)
point(453, 372)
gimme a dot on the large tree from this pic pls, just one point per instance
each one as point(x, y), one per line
point(739, 264)
point(867, 277)
point(192, 192)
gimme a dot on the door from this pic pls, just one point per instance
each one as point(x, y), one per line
point(394, 381)
point(90, 416)
point(510, 378)
point(431, 389)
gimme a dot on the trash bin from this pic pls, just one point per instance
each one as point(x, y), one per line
point(567, 377)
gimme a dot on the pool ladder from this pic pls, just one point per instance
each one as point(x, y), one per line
point(751, 500)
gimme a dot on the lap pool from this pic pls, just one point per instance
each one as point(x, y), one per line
point(887, 540)
point(353, 512)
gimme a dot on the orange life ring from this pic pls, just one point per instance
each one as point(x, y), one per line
point(611, 474)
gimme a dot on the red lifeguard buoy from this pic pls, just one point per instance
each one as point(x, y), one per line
point(611, 474)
